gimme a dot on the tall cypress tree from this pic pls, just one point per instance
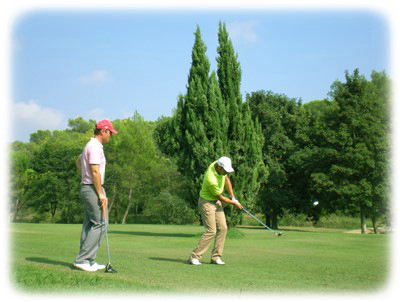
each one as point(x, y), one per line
point(229, 79)
point(245, 139)
point(195, 134)
point(216, 120)
point(211, 121)
point(194, 144)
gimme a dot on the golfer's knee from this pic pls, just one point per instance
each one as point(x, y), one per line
point(210, 232)
point(223, 229)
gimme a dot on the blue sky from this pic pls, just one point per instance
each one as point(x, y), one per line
point(109, 64)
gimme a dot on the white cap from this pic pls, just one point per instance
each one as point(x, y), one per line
point(225, 163)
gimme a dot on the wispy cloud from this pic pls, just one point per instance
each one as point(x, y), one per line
point(31, 113)
point(95, 77)
point(243, 31)
point(29, 117)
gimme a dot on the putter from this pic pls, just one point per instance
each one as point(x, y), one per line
point(109, 268)
point(275, 232)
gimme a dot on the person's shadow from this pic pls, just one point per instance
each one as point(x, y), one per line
point(48, 261)
point(169, 260)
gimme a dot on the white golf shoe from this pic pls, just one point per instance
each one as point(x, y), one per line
point(85, 267)
point(98, 266)
point(194, 261)
point(218, 261)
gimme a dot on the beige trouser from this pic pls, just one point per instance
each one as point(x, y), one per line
point(214, 222)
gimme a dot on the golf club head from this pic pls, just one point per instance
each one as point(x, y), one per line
point(278, 234)
point(109, 268)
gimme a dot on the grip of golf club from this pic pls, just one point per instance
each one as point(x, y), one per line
point(104, 205)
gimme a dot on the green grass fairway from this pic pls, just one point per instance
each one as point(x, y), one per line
point(153, 259)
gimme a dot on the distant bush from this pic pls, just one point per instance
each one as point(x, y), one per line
point(340, 222)
point(296, 220)
point(169, 209)
point(335, 221)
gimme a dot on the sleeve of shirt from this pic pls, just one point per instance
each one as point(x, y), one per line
point(94, 155)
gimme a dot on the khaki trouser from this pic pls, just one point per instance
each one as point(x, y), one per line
point(214, 222)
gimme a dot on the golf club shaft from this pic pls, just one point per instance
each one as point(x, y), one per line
point(105, 210)
point(258, 220)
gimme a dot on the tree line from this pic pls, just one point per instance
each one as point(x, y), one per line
point(286, 154)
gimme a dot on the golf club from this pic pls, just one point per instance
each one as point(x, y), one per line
point(275, 232)
point(109, 268)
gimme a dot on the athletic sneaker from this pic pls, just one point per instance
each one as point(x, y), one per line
point(218, 261)
point(85, 267)
point(194, 261)
point(98, 266)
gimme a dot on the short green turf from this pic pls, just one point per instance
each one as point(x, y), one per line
point(153, 259)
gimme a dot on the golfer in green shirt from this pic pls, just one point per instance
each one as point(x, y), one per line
point(212, 213)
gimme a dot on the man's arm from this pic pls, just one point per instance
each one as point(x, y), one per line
point(222, 198)
point(228, 186)
point(95, 169)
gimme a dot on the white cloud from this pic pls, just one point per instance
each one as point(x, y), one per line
point(95, 77)
point(242, 31)
point(28, 117)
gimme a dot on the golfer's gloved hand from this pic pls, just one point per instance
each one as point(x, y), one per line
point(237, 203)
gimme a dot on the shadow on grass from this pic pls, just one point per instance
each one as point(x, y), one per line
point(48, 261)
point(278, 230)
point(169, 260)
point(150, 234)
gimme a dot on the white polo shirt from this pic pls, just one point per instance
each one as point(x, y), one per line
point(93, 154)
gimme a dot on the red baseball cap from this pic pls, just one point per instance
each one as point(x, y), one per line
point(106, 124)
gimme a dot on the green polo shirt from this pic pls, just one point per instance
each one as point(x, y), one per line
point(213, 184)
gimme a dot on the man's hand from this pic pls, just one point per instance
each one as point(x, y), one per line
point(103, 200)
point(237, 204)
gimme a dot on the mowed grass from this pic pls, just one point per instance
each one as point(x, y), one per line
point(153, 259)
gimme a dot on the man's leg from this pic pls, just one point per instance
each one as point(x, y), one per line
point(207, 210)
point(94, 230)
point(221, 233)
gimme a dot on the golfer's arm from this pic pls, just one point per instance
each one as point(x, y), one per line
point(228, 186)
point(224, 199)
point(95, 169)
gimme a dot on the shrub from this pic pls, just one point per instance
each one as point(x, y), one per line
point(170, 209)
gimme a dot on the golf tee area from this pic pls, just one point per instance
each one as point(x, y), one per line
point(154, 259)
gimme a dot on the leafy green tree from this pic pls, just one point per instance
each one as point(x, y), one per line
point(362, 128)
point(56, 185)
point(21, 177)
point(170, 209)
point(81, 126)
point(379, 94)
point(352, 148)
point(40, 136)
point(281, 122)
point(136, 171)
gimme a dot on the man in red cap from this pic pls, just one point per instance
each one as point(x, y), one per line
point(92, 164)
